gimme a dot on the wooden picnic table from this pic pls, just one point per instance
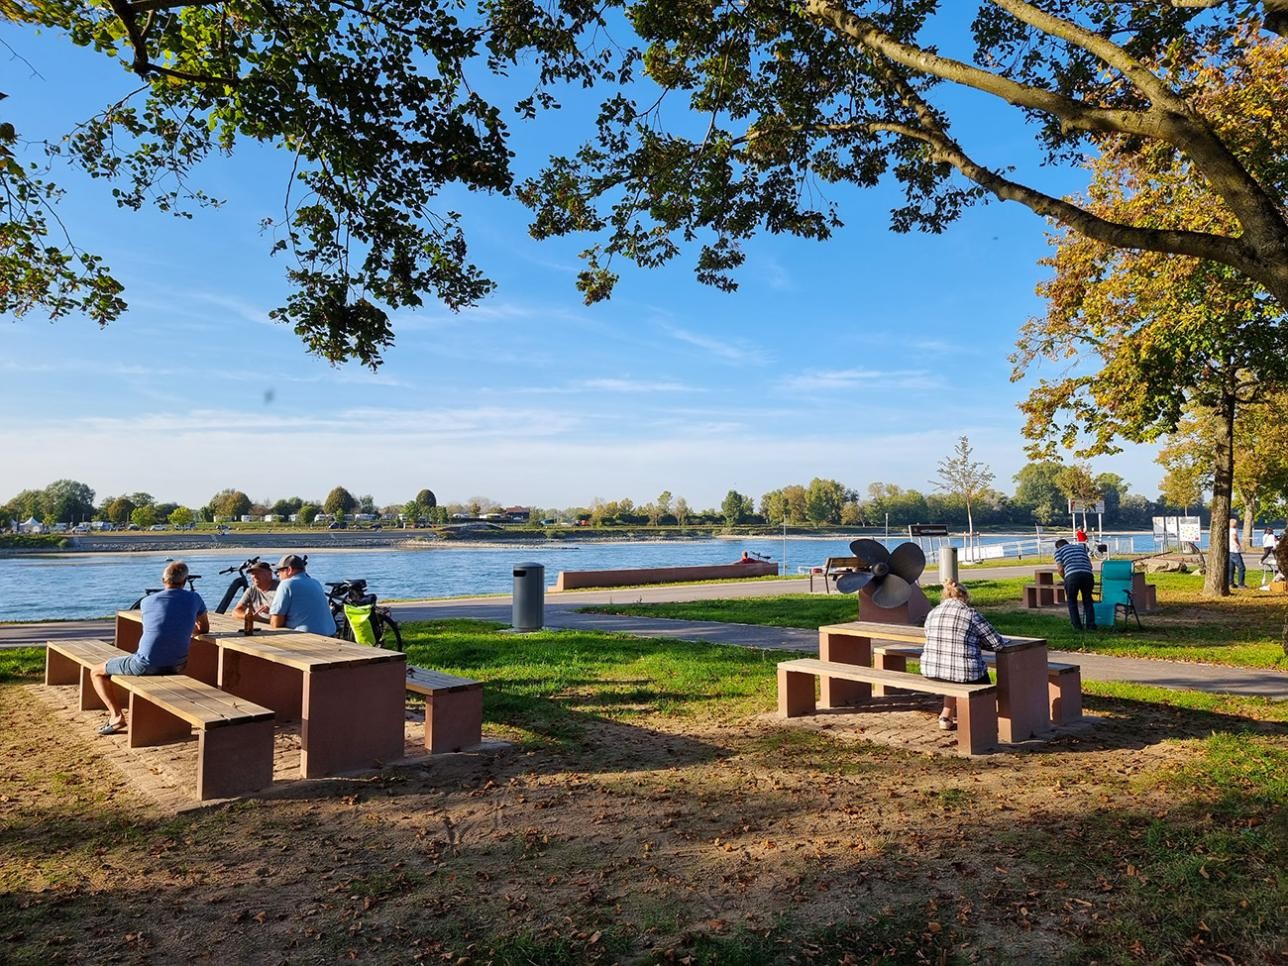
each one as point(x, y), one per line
point(348, 698)
point(1022, 706)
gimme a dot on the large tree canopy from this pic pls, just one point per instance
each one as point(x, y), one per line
point(796, 94)
point(370, 104)
point(1169, 332)
point(373, 108)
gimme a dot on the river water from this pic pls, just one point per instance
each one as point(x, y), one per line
point(75, 585)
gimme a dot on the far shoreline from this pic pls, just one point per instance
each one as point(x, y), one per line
point(353, 541)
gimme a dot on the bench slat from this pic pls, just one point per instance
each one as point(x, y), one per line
point(197, 703)
point(896, 679)
point(425, 681)
point(86, 650)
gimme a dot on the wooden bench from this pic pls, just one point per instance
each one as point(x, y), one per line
point(1044, 595)
point(1064, 681)
point(1047, 589)
point(1022, 687)
point(453, 709)
point(976, 703)
point(234, 736)
point(834, 568)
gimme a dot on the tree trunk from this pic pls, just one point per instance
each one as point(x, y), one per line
point(1215, 582)
point(1281, 559)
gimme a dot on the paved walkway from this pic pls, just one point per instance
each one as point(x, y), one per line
point(562, 612)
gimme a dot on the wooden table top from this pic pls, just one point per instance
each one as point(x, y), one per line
point(308, 652)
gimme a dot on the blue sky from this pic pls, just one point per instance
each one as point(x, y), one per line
point(860, 359)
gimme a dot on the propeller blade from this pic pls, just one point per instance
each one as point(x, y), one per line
point(869, 551)
point(891, 592)
point(855, 580)
point(908, 561)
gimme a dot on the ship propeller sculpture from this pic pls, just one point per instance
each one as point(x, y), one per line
point(888, 577)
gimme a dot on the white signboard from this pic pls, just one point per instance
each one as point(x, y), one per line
point(1160, 529)
point(1190, 530)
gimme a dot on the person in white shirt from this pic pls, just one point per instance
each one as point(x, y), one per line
point(1236, 573)
point(1268, 544)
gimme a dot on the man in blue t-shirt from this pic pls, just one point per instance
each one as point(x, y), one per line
point(170, 618)
point(301, 602)
point(1074, 564)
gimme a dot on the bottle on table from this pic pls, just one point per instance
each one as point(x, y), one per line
point(248, 622)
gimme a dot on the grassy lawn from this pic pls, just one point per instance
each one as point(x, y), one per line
point(651, 810)
point(1243, 630)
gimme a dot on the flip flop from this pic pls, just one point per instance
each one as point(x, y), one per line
point(112, 727)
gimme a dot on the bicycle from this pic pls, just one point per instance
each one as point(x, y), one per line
point(149, 591)
point(353, 593)
point(237, 586)
point(1099, 551)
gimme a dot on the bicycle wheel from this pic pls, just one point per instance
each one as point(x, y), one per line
point(387, 633)
point(342, 629)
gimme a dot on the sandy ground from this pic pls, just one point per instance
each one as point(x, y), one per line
point(631, 841)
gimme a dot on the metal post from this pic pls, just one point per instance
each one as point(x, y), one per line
point(947, 564)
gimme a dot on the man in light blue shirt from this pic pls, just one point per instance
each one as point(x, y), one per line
point(301, 602)
point(170, 618)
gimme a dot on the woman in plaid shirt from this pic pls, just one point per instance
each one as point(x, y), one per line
point(955, 633)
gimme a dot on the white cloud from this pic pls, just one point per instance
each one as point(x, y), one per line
point(850, 380)
point(737, 352)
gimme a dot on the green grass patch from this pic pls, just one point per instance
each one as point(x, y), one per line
point(548, 684)
point(1243, 630)
point(22, 664)
point(1213, 873)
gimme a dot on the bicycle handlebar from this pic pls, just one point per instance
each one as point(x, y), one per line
point(242, 569)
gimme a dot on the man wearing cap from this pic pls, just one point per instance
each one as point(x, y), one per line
point(300, 602)
point(258, 597)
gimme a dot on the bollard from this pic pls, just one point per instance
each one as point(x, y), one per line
point(947, 564)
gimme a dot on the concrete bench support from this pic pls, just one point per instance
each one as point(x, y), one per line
point(1064, 681)
point(234, 736)
point(976, 703)
point(453, 709)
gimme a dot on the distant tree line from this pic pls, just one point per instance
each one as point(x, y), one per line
point(1041, 496)
point(72, 502)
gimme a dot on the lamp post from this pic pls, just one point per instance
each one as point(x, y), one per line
point(784, 542)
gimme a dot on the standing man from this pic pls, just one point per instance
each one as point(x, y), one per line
point(1268, 544)
point(1074, 564)
point(300, 603)
point(1235, 572)
point(258, 597)
point(170, 618)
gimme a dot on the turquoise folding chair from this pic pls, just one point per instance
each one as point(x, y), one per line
point(1115, 593)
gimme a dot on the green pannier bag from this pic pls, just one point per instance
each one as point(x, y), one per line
point(361, 618)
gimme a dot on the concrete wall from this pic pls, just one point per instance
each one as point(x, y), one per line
point(578, 579)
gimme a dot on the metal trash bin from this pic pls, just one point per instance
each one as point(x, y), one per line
point(947, 563)
point(529, 599)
